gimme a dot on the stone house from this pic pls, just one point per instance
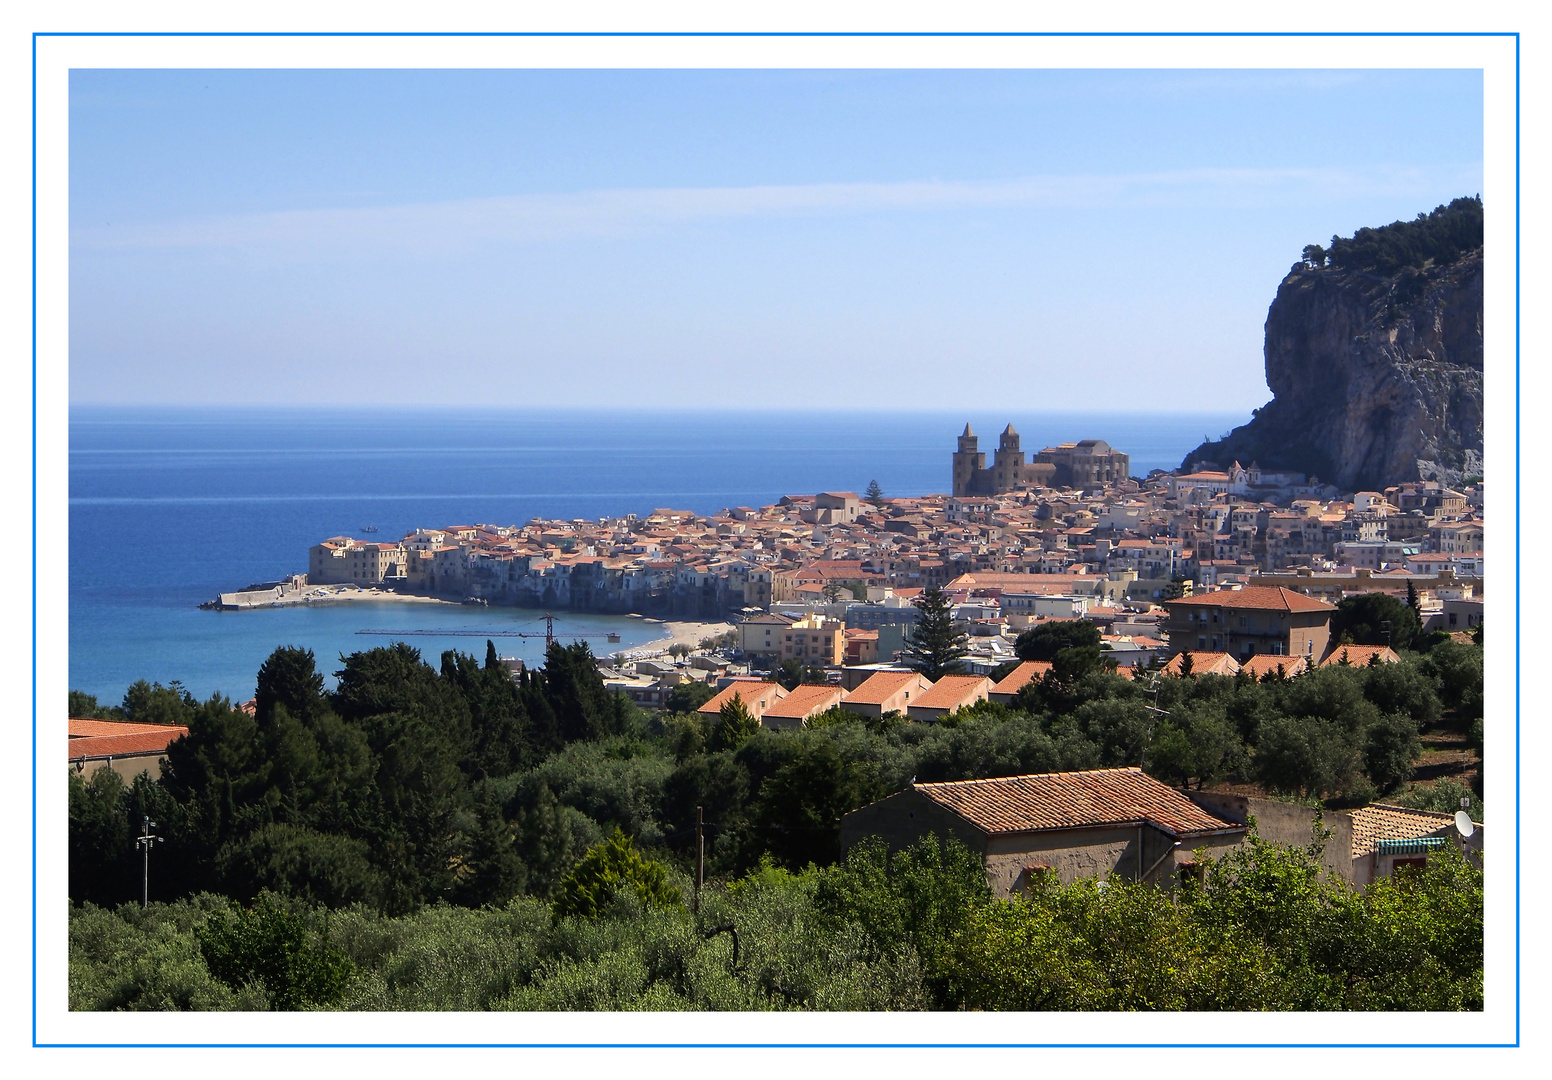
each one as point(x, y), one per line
point(1387, 838)
point(1074, 825)
point(1254, 619)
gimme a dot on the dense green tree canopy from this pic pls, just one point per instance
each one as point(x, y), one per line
point(1437, 237)
point(412, 785)
point(1375, 618)
point(1046, 641)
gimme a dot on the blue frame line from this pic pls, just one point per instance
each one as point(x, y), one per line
point(1518, 536)
point(1518, 411)
point(34, 613)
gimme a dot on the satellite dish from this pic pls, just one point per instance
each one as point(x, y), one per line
point(1463, 823)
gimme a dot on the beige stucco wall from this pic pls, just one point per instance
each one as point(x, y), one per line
point(1286, 823)
point(127, 767)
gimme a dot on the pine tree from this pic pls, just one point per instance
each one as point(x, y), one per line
point(875, 494)
point(936, 647)
point(735, 724)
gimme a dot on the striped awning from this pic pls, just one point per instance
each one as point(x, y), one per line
point(1419, 845)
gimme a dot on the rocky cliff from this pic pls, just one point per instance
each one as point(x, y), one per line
point(1376, 376)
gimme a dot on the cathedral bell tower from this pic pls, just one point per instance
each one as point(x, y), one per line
point(1008, 464)
point(968, 462)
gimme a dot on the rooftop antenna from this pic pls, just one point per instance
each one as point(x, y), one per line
point(1463, 824)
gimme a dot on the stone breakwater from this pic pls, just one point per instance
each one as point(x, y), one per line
point(290, 594)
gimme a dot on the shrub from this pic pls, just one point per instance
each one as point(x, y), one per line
point(607, 868)
point(270, 946)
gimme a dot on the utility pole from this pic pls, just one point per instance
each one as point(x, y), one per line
point(144, 842)
point(1152, 688)
point(700, 855)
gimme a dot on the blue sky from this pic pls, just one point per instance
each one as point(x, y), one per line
point(724, 239)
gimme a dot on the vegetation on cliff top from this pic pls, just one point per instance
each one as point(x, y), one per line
point(1434, 238)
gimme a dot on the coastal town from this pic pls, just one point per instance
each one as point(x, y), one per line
point(947, 719)
point(830, 578)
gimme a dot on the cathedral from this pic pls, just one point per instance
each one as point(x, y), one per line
point(1088, 463)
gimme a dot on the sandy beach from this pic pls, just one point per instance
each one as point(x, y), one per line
point(684, 633)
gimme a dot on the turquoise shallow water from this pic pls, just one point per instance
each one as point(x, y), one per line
point(169, 507)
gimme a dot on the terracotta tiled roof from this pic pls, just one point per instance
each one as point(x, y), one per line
point(1263, 664)
point(879, 687)
point(950, 691)
point(1360, 655)
point(84, 728)
point(1385, 822)
point(105, 738)
point(1257, 597)
point(1073, 800)
point(801, 701)
point(1022, 675)
point(1205, 663)
point(756, 695)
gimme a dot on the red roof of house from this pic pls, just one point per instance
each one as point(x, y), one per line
point(880, 687)
point(1263, 664)
point(1074, 800)
point(1019, 677)
point(756, 695)
point(951, 691)
point(803, 701)
point(1361, 655)
point(1257, 597)
point(1204, 663)
point(88, 727)
point(108, 738)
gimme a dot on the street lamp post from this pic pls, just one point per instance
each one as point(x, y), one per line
point(144, 842)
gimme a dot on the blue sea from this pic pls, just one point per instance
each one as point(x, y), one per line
point(168, 507)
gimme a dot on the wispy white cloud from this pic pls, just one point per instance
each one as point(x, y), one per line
point(449, 227)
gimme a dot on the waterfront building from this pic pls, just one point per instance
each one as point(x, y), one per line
point(343, 560)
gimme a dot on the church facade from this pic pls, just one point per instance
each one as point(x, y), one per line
point(1088, 463)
